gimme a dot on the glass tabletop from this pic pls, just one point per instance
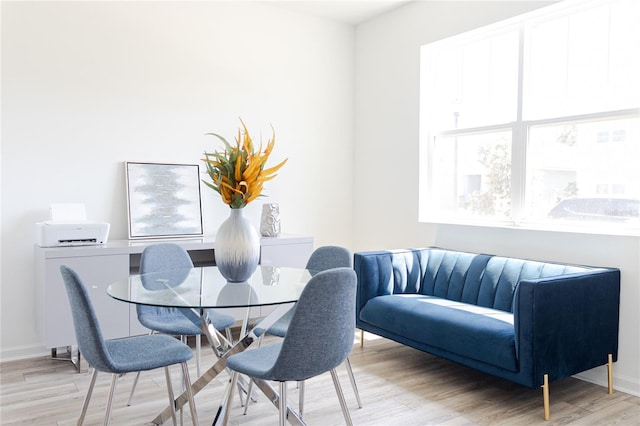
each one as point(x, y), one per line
point(205, 287)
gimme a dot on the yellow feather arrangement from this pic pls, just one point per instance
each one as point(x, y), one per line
point(238, 172)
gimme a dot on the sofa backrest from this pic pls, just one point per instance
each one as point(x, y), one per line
point(479, 279)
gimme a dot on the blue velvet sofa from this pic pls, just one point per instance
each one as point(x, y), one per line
point(525, 321)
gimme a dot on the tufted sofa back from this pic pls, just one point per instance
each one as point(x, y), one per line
point(478, 279)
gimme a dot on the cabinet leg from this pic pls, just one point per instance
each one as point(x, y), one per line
point(68, 356)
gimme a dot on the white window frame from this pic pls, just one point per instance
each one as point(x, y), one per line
point(519, 131)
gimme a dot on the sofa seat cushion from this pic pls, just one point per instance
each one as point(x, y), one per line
point(475, 332)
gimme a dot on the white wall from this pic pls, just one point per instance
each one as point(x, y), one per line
point(386, 170)
point(89, 85)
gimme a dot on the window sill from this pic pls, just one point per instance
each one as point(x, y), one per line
point(590, 228)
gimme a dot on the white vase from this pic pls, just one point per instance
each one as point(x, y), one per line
point(237, 247)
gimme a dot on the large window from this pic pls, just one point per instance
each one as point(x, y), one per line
point(535, 120)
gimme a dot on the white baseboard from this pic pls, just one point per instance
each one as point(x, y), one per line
point(621, 383)
point(23, 352)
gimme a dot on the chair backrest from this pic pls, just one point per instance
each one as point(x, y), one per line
point(164, 257)
point(328, 257)
point(90, 340)
point(321, 332)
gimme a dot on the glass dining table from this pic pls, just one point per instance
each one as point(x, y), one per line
point(197, 289)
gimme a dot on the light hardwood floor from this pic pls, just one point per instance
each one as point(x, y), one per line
point(398, 386)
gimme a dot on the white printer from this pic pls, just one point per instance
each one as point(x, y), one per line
point(68, 227)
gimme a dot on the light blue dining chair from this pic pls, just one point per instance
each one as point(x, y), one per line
point(318, 339)
point(323, 258)
point(163, 257)
point(125, 355)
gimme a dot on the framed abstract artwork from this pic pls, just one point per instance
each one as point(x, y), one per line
point(163, 200)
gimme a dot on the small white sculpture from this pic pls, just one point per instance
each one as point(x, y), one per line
point(270, 223)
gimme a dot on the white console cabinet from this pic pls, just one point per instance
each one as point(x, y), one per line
point(99, 266)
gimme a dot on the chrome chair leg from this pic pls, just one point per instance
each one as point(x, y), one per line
point(133, 388)
point(112, 391)
point(171, 397)
point(227, 401)
point(246, 388)
point(283, 403)
point(246, 402)
point(183, 339)
point(198, 347)
point(87, 397)
point(343, 402)
point(353, 381)
point(300, 397)
point(240, 392)
point(187, 385)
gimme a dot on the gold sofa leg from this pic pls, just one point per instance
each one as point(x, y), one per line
point(545, 386)
point(610, 372)
point(545, 396)
point(361, 338)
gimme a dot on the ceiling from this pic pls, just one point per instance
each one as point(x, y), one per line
point(350, 12)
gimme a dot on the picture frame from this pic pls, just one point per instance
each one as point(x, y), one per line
point(163, 200)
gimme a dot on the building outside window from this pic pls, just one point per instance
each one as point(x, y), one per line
point(535, 120)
